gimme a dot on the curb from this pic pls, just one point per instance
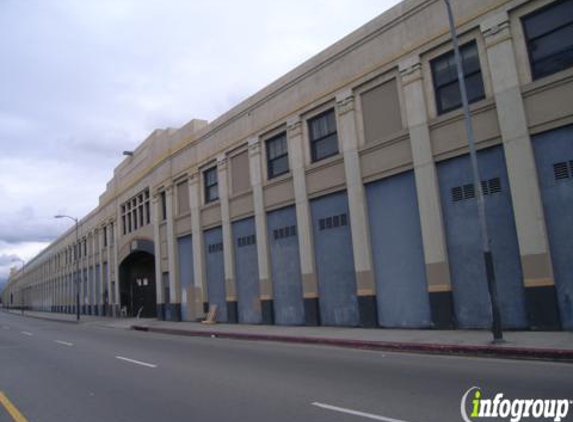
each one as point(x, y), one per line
point(65, 321)
point(492, 351)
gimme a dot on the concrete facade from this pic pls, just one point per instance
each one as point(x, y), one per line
point(226, 244)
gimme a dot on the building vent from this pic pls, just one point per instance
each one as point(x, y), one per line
point(457, 194)
point(215, 247)
point(284, 232)
point(246, 240)
point(469, 191)
point(494, 185)
point(489, 187)
point(561, 170)
point(333, 222)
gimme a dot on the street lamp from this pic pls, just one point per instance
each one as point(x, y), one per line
point(488, 259)
point(76, 276)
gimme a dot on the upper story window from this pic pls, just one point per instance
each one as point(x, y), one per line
point(134, 215)
point(446, 82)
point(323, 136)
point(277, 156)
point(549, 35)
point(211, 185)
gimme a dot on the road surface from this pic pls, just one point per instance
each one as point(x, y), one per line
point(56, 372)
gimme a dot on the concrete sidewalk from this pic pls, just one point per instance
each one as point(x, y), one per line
point(556, 345)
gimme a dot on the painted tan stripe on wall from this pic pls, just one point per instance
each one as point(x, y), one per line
point(366, 292)
point(439, 288)
point(539, 282)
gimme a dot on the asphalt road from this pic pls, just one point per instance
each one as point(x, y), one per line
point(56, 372)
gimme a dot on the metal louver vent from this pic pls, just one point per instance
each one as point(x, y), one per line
point(469, 191)
point(457, 194)
point(561, 171)
point(494, 185)
point(484, 187)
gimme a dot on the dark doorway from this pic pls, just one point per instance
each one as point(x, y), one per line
point(137, 285)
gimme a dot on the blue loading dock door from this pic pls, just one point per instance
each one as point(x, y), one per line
point(554, 156)
point(334, 260)
point(458, 197)
point(398, 252)
point(185, 263)
point(247, 271)
point(285, 266)
point(215, 271)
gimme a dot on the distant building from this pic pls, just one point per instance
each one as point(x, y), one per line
point(341, 194)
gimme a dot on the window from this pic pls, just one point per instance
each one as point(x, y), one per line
point(132, 215)
point(446, 83)
point(277, 156)
point(211, 185)
point(323, 136)
point(549, 36)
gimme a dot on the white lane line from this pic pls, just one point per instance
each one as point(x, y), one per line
point(137, 362)
point(64, 343)
point(355, 412)
point(27, 333)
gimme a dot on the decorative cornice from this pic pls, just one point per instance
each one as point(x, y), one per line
point(410, 70)
point(345, 102)
point(496, 29)
point(294, 127)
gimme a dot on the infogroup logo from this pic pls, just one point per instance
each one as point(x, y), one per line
point(513, 410)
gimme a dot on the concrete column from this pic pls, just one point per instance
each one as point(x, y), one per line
point(91, 279)
point(263, 257)
point(157, 246)
point(232, 311)
point(199, 288)
point(522, 174)
point(173, 312)
point(295, 144)
point(99, 298)
point(431, 220)
point(365, 284)
point(109, 268)
point(116, 304)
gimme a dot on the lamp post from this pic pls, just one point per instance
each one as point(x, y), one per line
point(76, 275)
point(488, 259)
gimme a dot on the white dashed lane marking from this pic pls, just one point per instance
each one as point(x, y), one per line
point(27, 333)
point(137, 362)
point(355, 412)
point(64, 343)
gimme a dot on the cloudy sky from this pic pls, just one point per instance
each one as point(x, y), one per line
point(83, 80)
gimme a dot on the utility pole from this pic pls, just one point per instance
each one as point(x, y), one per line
point(486, 247)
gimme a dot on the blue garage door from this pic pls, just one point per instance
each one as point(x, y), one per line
point(334, 260)
point(247, 271)
point(398, 252)
point(554, 156)
point(185, 262)
point(215, 270)
point(471, 296)
point(285, 266)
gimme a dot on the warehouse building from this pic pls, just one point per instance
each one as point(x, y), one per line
point(342, 193)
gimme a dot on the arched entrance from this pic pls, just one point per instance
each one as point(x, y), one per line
point(137, 285)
